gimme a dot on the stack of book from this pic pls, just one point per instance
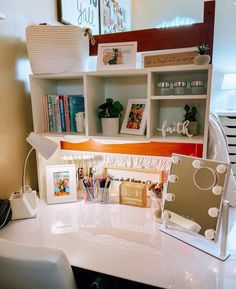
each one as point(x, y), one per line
point(60, 110)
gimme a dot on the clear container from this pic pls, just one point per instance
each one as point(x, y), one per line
point(198, 87)
point(180, 87)
point(164, 88)
point(103, 195)
point(156, 207)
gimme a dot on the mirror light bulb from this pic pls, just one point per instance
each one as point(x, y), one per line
point(221, 169)
point(197, 164)
point(175, 159)
point(170, 197)
point(217, 190)
point(213, 212)
point(172, 178)
point(210, 234)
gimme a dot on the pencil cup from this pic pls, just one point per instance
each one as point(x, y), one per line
point(156, 207)
point(90, 195)
point(103, 195)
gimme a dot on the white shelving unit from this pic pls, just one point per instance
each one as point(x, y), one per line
point(122, 85)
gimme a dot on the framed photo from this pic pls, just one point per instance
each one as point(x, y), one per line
point(115, 16)
point(61, 184)
point(83, 13)
point(135, 118)
point(118, 55)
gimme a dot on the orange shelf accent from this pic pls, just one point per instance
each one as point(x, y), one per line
point(147, 149)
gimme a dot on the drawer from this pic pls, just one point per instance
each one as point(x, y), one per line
point(234, 169)
point(232, 149)
point(231, 140)
point(227, 121)
point(229, 130)
point(232, 158)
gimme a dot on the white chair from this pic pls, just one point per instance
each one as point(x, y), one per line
point(24, 267)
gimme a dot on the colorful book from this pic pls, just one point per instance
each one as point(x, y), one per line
point(56, 113)
point(50, 113)
point(67, 112)
point(76, 104)
point(62, 113)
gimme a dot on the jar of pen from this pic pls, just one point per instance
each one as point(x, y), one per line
point(156, 192)
point(96, 190)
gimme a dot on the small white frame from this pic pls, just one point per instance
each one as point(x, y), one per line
point(126, 58)
point(61, 174)
point(131, 122)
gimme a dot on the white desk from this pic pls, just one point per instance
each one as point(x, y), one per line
point(123, 241)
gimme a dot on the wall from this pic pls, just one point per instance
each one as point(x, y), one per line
point(224, 60)
point(16, 116)
point(153, 12)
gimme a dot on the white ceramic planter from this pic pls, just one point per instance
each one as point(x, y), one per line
point(202, 59)
point(110, 126)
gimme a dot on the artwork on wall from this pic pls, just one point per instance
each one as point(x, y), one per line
point(61, 184)
point(135, 118)
point(116, 55)
point(84, 13)
point(115, 16)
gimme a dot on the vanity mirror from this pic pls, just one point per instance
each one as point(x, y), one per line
point(194, 202)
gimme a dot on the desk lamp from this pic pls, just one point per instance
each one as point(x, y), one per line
point(229, 83)
point(24, 203)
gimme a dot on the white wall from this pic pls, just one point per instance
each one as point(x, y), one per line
point(16, 116)
point(224, 57)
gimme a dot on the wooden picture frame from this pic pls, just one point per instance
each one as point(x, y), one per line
point(61, 184)
point(83, 13)
point(135, 118)
point(119, 55)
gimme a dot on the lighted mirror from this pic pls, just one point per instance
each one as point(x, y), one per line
point(194, 194)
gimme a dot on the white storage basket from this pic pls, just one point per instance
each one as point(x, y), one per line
point(57, 49)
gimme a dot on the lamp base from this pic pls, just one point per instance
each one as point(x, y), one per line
point(24, 205)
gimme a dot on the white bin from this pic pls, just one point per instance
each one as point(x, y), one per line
point(57, 49)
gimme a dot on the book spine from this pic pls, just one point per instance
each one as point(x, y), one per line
point(45, 112)
point(67, 114)
point(50, 113)
point(56, 113)
point(76, 104)
point(62, 113)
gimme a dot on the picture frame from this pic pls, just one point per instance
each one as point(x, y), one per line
point(61, 184)
point(83, 13)
point(119, 55)
point(135, 118)
point(115, 16)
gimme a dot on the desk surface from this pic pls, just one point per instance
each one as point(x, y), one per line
point(123, 241)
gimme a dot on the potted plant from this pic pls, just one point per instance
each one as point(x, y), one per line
point(190, 115)
point(202, 58)
point(109, 114)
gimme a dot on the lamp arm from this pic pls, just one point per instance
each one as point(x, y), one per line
point(24, 170)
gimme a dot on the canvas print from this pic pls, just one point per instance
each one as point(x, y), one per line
point(115, 16)
point(61, 184)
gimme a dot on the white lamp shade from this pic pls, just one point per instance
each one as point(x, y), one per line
point(42, 145)
point(229, 81)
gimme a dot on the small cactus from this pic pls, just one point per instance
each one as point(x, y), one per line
point(202, 49)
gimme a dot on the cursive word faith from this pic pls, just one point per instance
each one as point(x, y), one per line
point(176, 127)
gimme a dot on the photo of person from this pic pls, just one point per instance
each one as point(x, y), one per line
point(113, 56)
point(135, 116)
point(61, 183)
